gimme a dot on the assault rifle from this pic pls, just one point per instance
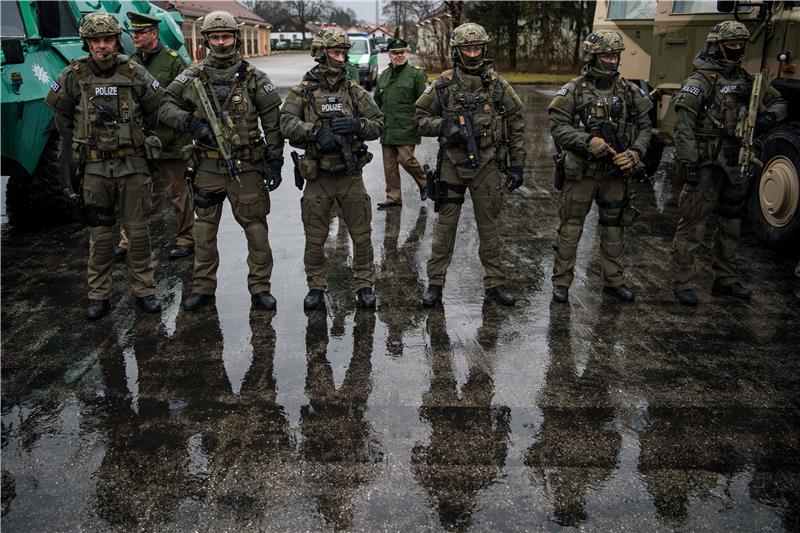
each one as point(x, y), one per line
point(745, 129)
point(345, 143)
point(605, 130)
point(224, 144)
point(469, 104)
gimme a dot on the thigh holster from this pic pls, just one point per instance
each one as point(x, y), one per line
point(204, 198)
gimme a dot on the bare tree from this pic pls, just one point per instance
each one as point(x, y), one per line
point(305, 11)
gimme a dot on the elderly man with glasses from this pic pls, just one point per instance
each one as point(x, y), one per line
point(164, 65)
point(398, 88)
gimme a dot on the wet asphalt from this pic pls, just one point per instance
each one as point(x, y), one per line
point(593, 415)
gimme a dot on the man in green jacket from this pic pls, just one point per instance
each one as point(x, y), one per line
point(164, 64)
point(398, 88)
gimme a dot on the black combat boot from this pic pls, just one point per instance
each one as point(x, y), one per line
point(365, 298)
point(149, 303)
point(180, 251)
point(561, 294)
point(432, 296)
point(734, 289)
point(197, 300)
point(97, 309)
point(500, 295)
point(620, 292)
point(264, 300)
point(314, 299)
point(686, 297)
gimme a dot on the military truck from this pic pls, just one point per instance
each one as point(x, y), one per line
point(661, 39)
point(38, 40)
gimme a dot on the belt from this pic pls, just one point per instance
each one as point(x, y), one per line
point(94, 154)
point(241, 153)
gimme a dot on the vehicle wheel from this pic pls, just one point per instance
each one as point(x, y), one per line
point(652, 158)
point(38, 199)
point(774, 205)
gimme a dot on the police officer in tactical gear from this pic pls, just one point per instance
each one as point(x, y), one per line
point(599, 102)
point(398, 88)
point(474, 92)
point(707, 108)
point(330, 116)
point(240, 95)
point(104, 102)
point(164, 64)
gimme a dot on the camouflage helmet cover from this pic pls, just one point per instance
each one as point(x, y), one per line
point(469, 34)
point(332, 38)
point(729, 30)
point(219, 21)
point(603, 42)
point(99, 25)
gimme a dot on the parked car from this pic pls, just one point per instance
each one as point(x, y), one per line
point(281, 45)
point(363, 54)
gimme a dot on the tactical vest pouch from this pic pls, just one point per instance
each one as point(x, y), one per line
point(152, 147)
point(189, 156)
point(308, 167)
point(362, 160)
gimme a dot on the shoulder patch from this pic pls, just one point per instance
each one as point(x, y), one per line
point(428, 89)
point(416, 67)
point(173, 53)
point(76, 66)
point(562, 91)
point(691, 90)
point(268, 88)
point(154, 84)
point(55, 86)
point(181, 78)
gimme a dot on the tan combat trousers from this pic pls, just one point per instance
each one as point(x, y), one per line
point(696, 205)
point(484, 189)
point(172, 171)
point(250, 205)
point(349, 193)
point(133, 193)
point(404, 156)
point(574, 204)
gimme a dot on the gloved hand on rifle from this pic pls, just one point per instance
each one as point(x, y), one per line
point(627, 160)
point(514, 178)
point(450, 131)
point(597, 147)
point(272, 173)
point(325, 140)
point(765, 122)
point(201, 131)
point(691, 175)
point(346, 126)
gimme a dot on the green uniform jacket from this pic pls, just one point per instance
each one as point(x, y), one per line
point(164, 64)
point(397, 91)
point(710, 86)
point(67, 97)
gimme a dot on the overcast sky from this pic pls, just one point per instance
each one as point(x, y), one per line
point(365, 9)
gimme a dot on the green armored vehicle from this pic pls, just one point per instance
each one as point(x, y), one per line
point(661, 39)
point(38, 40)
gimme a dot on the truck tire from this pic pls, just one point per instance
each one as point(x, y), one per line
point(774, 203)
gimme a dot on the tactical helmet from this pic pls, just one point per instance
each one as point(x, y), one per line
point(328, 38)
point(727, 31)
point(99, 25)
point(601, 42)
point(219, 21)
point(469, 34)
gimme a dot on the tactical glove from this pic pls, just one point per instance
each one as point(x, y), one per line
point(325, 140)
point(272, 173)
point(691, 175)
point(765, 122)
point(346, 126)
point(450, 131)
point(201, 131)
point(597, 147)
point(71, 196)
point(514, 178)
point(627, 160)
